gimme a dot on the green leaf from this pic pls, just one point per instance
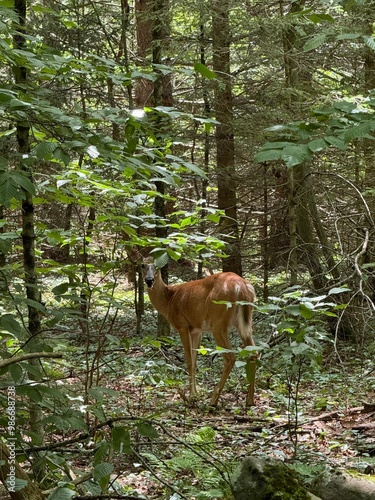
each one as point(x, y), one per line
point(317, 18)
point(315, 42)
point(24, 181)
point(121, 440)
point(295, 155)
point(204, 71)
point(101, 451)
point(267, 155)
point(147, 430)
point(62, 156)
point(348, 36)
point(44, 150)
point(31, 392)
point(336, 142)
point(317, 145)
point(61, 494)
point(102, 473)
point(16, 372)
point(8, 189)
point(10, 324)
point(5, 245)
point(160, 258)
point(20, 484)
point(337, 290)
point(370, 42)
point(60, 289)
point(306, 312)
point(359, 131)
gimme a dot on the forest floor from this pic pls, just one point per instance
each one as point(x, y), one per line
point(195, 449)
point(179, 450)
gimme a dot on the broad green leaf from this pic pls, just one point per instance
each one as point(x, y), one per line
point(306, 312)
point(348, 36)
point(370, 42)
point(101, 452)
point(276, 145)
point(317, 18)
point(5, 245)
point(52, 392)
point(31, 392)
point(293, 309)
point(300, 348)
point(315, 42)
point(336, 142)
point(60, 289)
point(317, 145)
point(102, 470)
point(102, 473)
point(20, 484)
point(61, 494)
point(23, 181)
point(147, 430)
point(16, 372)
point(295, 155)
point(9, 323)
point(346, 106)
point(267, 155)
point(359, 131)
point(121, 440)
point(62, 156)
point(44, 150)
point(8, 189)
point(204, 71)
point(160, 258)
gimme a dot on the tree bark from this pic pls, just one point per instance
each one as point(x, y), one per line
point(225, 161)
point(10, 469)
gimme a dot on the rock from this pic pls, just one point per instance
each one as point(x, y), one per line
point(267, 479)
point(340, 486)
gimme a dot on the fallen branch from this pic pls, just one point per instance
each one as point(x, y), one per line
point(28, 355)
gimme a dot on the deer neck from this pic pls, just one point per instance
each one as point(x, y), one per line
point(160, 295)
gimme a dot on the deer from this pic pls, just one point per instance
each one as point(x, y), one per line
point(211, 304)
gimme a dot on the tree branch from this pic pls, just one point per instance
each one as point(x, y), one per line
point(28, 355)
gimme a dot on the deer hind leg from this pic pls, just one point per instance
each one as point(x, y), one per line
point(229, 359)
point(245, 331)
point(191, 342)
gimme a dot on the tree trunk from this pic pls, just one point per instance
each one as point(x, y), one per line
point(225, 162)
point(369, 153)
point(9, 470)
point(28, 229)
point(152, 33)
point(303, 212)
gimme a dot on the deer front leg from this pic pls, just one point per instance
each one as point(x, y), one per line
point(191, 341)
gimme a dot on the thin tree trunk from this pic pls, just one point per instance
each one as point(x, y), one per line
point(28, 230)
point(207, 113)
point(160, 32)
point(225, 162)
point(293, 257)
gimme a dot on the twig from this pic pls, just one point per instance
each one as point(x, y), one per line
point(153, 473)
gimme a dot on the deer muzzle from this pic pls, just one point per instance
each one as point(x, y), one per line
point(149, 281)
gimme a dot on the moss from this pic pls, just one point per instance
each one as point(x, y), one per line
point(281, 483)
point(267, 479)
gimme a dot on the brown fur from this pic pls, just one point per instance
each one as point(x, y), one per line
point(190, 308)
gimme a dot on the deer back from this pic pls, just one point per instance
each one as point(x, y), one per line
point(192, 305)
